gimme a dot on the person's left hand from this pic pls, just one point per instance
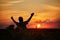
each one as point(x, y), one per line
point(32, 14)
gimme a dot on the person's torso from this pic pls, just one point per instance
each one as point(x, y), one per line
point(21, 24)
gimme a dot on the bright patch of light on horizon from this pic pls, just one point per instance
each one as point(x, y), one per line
point(38, 25)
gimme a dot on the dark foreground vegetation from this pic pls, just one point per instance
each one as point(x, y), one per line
point(29, 34)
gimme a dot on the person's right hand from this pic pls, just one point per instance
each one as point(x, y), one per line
point(11, 17)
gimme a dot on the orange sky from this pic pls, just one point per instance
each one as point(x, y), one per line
point(43, 9)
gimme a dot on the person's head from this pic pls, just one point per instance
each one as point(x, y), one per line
point(20, 19)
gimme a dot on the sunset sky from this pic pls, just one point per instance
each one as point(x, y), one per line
point(43, 9)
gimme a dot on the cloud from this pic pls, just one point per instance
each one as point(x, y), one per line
point(14, 2)
point(10, 3)
point(30, 5)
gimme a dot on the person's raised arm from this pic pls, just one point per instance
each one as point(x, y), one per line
point(13, 20)
point(30, 17)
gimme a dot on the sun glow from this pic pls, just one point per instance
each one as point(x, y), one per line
point(38, 25)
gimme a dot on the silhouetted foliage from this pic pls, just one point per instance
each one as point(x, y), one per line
point(11, 27)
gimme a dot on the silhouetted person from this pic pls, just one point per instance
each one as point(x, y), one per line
point(22, 23)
